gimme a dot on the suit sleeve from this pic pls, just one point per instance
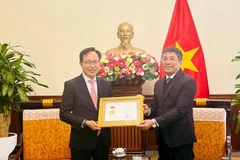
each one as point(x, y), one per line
point(66, 107)
point(153, 108)
point(154, 104)
point(183, 106)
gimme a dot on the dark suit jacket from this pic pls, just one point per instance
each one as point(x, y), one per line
point(76, 106)
point(173, 109)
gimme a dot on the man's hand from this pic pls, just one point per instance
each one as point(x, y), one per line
point(146, 109)
point(145, 124)
point(93, 125)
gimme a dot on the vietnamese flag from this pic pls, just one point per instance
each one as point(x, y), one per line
point(183, 34)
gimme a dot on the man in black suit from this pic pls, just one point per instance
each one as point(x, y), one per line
point(172, 109)
point(80, 110)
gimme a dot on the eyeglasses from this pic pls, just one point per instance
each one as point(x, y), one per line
point(171, 59)
point(91, 62)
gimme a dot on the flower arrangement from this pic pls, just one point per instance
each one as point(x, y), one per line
point(128, 66)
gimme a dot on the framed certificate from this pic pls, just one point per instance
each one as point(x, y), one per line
point(120, 111)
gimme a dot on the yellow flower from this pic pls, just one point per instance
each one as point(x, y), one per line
point(105, 61)
point(129, 60)
point(132, 67)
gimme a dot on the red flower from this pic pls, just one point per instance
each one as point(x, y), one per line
point(144, 60)
point(121, 63)
point(112, 64)
point(128, 73)
point(132, 54)
point(103, 74)
point(119, 73)
point(101, 68)
point(136, 62)
point(139, 69)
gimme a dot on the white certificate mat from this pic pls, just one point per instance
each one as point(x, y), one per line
point(117, 111)
point(120, 111)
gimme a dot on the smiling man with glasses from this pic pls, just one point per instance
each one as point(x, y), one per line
point(79, 108)
point(171, 111)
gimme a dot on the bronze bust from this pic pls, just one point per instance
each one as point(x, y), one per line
point(125, 34)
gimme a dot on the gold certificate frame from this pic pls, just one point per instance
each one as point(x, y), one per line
point(120, 111)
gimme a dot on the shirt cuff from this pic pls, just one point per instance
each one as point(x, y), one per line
point(83, 123)
point(156, 122)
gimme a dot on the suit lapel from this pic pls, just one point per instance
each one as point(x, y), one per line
point(172, 83)
point(161, 91)
point(83, 88)
point(100, 87)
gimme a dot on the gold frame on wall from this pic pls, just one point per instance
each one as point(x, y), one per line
point(120, 111)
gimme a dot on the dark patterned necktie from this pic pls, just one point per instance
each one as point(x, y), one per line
point(168, 79)
point(166, 84)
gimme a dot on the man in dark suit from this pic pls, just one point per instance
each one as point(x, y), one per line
point(172, 109)
point(79, 108)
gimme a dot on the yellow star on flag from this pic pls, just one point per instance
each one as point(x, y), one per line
point(187, 58)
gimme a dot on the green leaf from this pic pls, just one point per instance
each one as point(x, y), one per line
point(10, 90)
point(235, 114)
point(33, 73)
point(4, 48)
point(22, 94)
point(4, 89)
point(19, 61)
point(17, 107)
point(238, 125)
point(43, 85)
point(237, 58)
point(238, 76)
point(30, 89)
point(10, 55)
point(234, 101)
point(5, 110)
point(237, 91)
point(31, 65)
point(10, 77)
point(237, 85)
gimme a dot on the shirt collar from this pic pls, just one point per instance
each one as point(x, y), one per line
point(87, 79)
point(170, 76)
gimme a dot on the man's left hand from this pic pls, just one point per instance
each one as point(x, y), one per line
point(145, 124)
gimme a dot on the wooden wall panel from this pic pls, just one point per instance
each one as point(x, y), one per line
point(127, 137)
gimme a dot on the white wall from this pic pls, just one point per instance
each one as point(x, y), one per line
point(53, 32)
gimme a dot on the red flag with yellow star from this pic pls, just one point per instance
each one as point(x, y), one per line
point(183, 34)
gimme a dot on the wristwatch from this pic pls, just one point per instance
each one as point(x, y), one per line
point(154, 125)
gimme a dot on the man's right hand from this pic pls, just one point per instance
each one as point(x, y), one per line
point(93, 125)
point(146, 109)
